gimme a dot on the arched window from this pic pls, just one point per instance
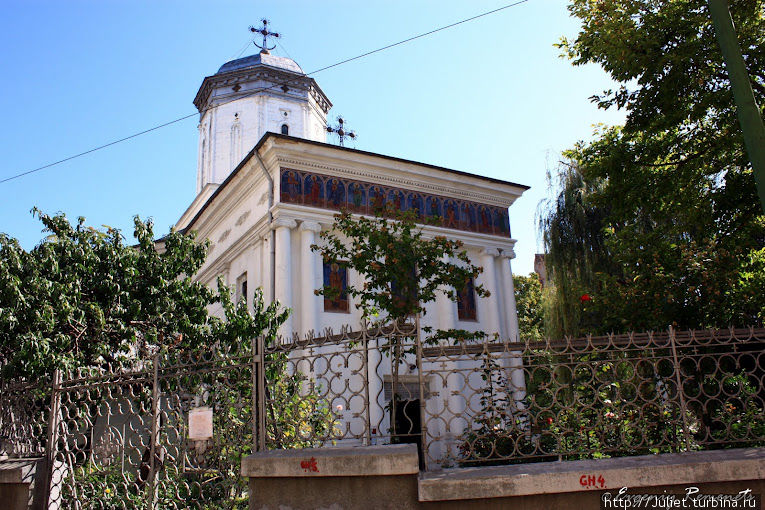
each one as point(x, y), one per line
point(285, 129)
point(236, 144)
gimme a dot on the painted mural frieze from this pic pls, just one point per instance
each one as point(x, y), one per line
point(335, 193)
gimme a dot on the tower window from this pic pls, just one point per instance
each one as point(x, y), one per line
point(285, 129)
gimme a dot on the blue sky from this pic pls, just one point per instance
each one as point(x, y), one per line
point(491, 97)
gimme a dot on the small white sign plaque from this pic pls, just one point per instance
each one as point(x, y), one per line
point(201, 423)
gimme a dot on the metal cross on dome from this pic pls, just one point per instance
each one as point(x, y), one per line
point(341, 131)
point(266, 34)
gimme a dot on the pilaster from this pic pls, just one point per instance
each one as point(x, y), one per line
point(283, 287)
point(309, 302)
point(492, 313)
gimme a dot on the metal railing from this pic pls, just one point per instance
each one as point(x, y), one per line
point(593, 397)
point(171, 431)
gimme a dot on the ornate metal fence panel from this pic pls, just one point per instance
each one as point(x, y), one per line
point(24, 412)
point(169, 433)
point(619, 395)
point(342, 389)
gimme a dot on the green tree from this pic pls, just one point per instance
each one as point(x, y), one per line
point(655, 221)
point(528, 299)
point(402, 269)
point(82, 297)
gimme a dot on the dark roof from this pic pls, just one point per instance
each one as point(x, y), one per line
point(269, 134)
point(261, 59)
point(392, 158)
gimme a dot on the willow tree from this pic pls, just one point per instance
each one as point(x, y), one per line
point(658, 222)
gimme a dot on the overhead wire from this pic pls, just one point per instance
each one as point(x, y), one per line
point(262, 89)
point(240, 52)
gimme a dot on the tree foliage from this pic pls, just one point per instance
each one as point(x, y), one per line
point(402, 269)
point(82, 297)
point(657, 220)
point(528, 299)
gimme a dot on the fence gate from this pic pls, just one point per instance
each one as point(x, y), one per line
point(168, 435)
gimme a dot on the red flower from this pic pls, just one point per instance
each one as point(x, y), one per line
point(585, 297)
point(549, 420)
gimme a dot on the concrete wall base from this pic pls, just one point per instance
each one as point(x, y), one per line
point(387, 477)
point(22, 484)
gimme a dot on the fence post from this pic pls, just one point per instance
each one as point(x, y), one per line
point(260, 390)
point(257, 390)
point(421, 377)
point(366, 387)
point(154, 432)
point(54, 421)
point(680, 391)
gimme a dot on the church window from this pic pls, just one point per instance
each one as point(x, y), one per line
point(202, 169)
point(241, 288)
point(336, 278)
point(235, 155)
point(285, 129)
point(466, 302)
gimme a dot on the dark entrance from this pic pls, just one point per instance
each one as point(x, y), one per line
point(407, 426)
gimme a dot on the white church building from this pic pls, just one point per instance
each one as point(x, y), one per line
point(268, 182)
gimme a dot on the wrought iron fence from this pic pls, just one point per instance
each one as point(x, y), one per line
point(171, 431)
point(127, 438)
point(353, 388)
point(24, 411)
point(593, 397)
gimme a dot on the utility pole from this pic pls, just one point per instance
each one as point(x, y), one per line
point(746, 106)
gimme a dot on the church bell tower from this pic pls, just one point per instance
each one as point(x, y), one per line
point(248, 97)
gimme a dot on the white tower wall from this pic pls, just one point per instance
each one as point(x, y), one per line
point(247, 98)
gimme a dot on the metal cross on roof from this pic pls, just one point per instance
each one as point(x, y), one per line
point(341, 131)
point(266, 34)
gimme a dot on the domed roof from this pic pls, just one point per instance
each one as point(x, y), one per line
point(261, 59)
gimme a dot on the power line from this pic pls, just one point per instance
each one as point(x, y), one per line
point(257, 91)
point(244, 48)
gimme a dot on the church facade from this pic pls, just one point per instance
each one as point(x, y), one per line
point(268, 184)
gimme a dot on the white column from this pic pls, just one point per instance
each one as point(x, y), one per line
point(517, 377)
point(309, 302)
point(253, 264)
point(283, 269)
point(309, 307)
point(265, 268)
point(447, 309)
point(490, 322)
point(508, 288)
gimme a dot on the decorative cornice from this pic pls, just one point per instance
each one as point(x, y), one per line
point(300, 83)
point(471, 240)
point(378, 178)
